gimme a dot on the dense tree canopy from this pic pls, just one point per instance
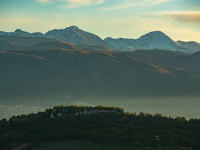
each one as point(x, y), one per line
point(143, 130)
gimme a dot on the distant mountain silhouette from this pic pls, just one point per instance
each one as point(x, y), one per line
point(74, 35)
point(42, 43)
point(26, 41)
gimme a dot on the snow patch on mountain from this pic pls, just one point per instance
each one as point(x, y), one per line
point(71, 34)
point(149, 41)
point(193, 46)
point(119, 43)
point(158, 40)
point(76, 36)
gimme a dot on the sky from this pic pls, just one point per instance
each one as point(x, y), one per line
point(179, 19)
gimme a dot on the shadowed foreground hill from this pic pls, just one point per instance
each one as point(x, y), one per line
point(51, 46)
point(111, 127)
point(94, 47)
point(6, 45)
point(9, 43)
point(30, 74)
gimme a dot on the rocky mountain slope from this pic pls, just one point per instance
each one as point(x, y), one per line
point(71, 34)
point(153, 40)
point(149, 41)
point(76, 36)
point(191, 45)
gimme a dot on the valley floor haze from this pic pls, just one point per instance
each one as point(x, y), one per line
point(187, 107)
point(72, 66)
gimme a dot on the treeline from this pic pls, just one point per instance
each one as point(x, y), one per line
point(75, 108)
point(136, 131)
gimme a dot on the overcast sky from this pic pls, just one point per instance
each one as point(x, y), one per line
point(179, 19)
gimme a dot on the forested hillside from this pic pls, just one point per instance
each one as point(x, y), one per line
point(134, 131)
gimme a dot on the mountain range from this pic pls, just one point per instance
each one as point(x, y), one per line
point(149, 41)
point(42, 68)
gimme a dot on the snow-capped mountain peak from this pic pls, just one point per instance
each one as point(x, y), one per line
point(75, 35)
point(157, 40)
point(153, 34)
point(149, 41)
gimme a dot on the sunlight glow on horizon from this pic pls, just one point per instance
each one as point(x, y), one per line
point(180, 20)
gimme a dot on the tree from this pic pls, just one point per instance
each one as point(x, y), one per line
point(147, 148)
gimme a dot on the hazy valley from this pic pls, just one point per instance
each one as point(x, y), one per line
point(38, 72)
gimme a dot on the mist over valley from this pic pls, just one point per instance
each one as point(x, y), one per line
point(40, 72)
point(99, 74)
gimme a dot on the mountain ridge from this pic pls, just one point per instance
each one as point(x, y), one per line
point(49, 74)
point(149, 41)
point(13, 43)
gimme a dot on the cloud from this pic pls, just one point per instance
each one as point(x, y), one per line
point(129, 3)
point(130, 28)
point(82, 3)
point(156, 2)
point(184, 16)
point(42, 1)
point(125, 4)
point(74, 3)
point(121, 5)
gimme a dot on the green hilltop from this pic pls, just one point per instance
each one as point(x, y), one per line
point(109, 127)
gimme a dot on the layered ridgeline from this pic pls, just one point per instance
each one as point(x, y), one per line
point(41, 68)
point(99, 127)
point(149, 41)
point(49, 74)
point(71, 34)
